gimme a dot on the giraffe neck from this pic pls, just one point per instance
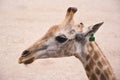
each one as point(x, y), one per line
point(96, 65)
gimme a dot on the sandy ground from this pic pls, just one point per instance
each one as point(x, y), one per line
point(22, 22)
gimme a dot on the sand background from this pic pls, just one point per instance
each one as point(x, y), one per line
point(22, 22)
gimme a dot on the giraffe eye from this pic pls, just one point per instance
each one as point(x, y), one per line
point(61, 38)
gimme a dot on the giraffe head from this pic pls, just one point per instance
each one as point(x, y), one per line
point(66, 39)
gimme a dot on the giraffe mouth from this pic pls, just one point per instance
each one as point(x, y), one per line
point(25, 61)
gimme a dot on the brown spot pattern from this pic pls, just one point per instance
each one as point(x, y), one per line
point(93, 77)
point(99, 64)
point(106, 73)
point(88, 75)
point(88, 57)
point(96, 55)
point(91, 63)
point(102, 77)
point(97, 70)
point(90, 49)
point(87, 68)
point(103, 61)
point(96, 65)
point(109, 72)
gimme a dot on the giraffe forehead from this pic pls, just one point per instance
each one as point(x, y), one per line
point(69, 33)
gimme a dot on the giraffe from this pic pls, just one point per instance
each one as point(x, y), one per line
point(68, 39)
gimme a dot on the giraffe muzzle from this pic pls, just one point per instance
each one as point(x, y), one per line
point(25, 61)
point(26, 57)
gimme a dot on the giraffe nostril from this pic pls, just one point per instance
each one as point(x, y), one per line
point(25, 53)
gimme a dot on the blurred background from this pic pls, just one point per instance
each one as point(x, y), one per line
point(22, 22)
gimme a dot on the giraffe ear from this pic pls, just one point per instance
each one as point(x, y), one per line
point(93, 29)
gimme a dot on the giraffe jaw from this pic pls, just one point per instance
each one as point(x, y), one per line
point(26, 61)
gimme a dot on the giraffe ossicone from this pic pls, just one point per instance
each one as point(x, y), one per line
point(69, 39)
